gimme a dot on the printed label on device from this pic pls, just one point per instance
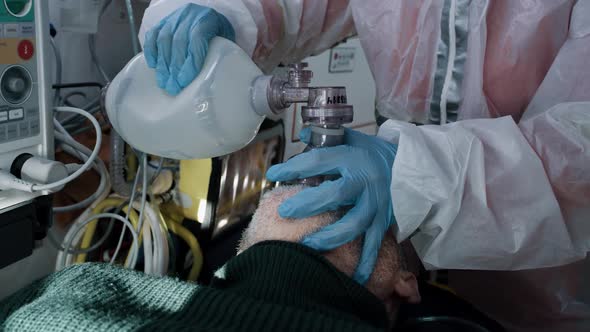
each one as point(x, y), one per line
point(336, 100)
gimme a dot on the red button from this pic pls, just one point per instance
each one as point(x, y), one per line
point(26, 49)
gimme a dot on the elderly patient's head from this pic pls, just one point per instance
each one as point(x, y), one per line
point(389, 281)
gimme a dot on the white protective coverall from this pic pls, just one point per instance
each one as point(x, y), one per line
point(506, 186)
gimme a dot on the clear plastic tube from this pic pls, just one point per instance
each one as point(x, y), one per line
point(132, 28)
point(117, 166)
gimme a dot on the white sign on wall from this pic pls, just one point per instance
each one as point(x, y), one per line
point(342, 59)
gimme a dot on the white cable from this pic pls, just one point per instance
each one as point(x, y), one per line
point(102, 187)
point(58, 69)
point(94, 57)
point(88, 163)
point(76, 228)
point(72, 94)
point(156, 259)
point(9, 181)
point(144, 189)
point(82, 151)
point(148, 250)
point(94, 102)
point(91, 104)
point(92, 46)
point(143, 168)
point(150, 256)
point(73, 148)
point(61, 130)
point(164, 255)
point(131, 200)
point(134, 250)
point(450, 65)
point(63, 258)
point(165, 248)
point(160, 255)
point(75, 239)
point(165, 251)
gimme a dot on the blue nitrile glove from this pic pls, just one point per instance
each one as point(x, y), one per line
point(177, 46)
point(365, 165)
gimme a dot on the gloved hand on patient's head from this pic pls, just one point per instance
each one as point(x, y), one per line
point(364, 165)
point(390, 281)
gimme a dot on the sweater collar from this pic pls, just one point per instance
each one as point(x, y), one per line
point(291, 274)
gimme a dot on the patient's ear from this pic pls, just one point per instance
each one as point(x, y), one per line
point(406, 287)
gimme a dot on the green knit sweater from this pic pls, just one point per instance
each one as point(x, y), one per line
point(273, 286)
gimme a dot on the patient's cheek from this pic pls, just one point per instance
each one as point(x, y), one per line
point(343, 258)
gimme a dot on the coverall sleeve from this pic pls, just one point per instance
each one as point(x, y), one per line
point(272, 31)
point(494, 194)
